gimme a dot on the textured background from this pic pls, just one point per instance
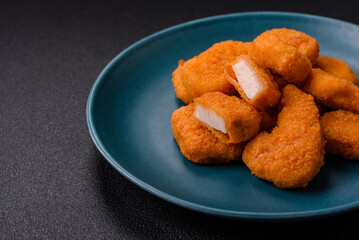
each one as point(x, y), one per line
point(54, 184)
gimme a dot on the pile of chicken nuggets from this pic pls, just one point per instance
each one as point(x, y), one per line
point(274, 103)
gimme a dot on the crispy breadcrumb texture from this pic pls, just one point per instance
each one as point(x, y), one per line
point(177, 84)
point(241, 119)
point(271, 52)
point(293, 153)
point(204, 73)
point(197, 143)
point(337, 68)
point(341, 130)
point(306, 44)
point(333, 92)
point(266, 98)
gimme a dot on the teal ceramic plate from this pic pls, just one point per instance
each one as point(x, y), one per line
point(130, 106)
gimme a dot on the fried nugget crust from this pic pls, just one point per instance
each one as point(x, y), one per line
point(286, 60)
point(292, 154)
point(242, 120)
point(337, 68)
point(177, 84)
point(333, 92)
point(305, 44)
point(204, 73)
point(341, 130)
point(270, 94)
point(197, 143)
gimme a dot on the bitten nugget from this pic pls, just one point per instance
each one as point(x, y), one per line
point(341, 130)
point(204, 73)
point(230, 119)
point(333, 92)
point(337, 68)
point(254, 84)
point(306, 44)
point(292, 154)
point(197, 143)
point(271, 52)
point(177, 83)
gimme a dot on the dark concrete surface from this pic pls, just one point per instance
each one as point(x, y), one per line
point(54, 184)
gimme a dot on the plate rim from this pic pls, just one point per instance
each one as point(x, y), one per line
point(243, 215)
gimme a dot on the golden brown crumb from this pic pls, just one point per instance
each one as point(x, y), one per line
point(341, 130)
point(204, 73)
point(292, 154)
point(177, 84)
point(269, 51)
point(333, 92)
point(241, 119)
point(268, 96)
point(305, 44)
point(337, 68)
point(197, 143)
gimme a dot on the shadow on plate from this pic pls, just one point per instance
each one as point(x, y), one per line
point(149, 217)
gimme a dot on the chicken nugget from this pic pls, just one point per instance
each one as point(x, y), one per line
point(230, 119)
point(341, 130)
point(271, 52)
point(177, 83)
point(306, 44)
point(204, 73)
point(293, 153)
point(197, 143)
point(333, 92)
point(337, 68)
point(254, 84)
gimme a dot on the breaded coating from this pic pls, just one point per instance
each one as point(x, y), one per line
point(293, 153)
point(254, 84)
point(306, 44)
point(197, 143)
point(341, 130)
point(177, 84)
point(230, 119)
point(204, 73)
point(271, 52)
point(333, 92)
point(337, 68)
